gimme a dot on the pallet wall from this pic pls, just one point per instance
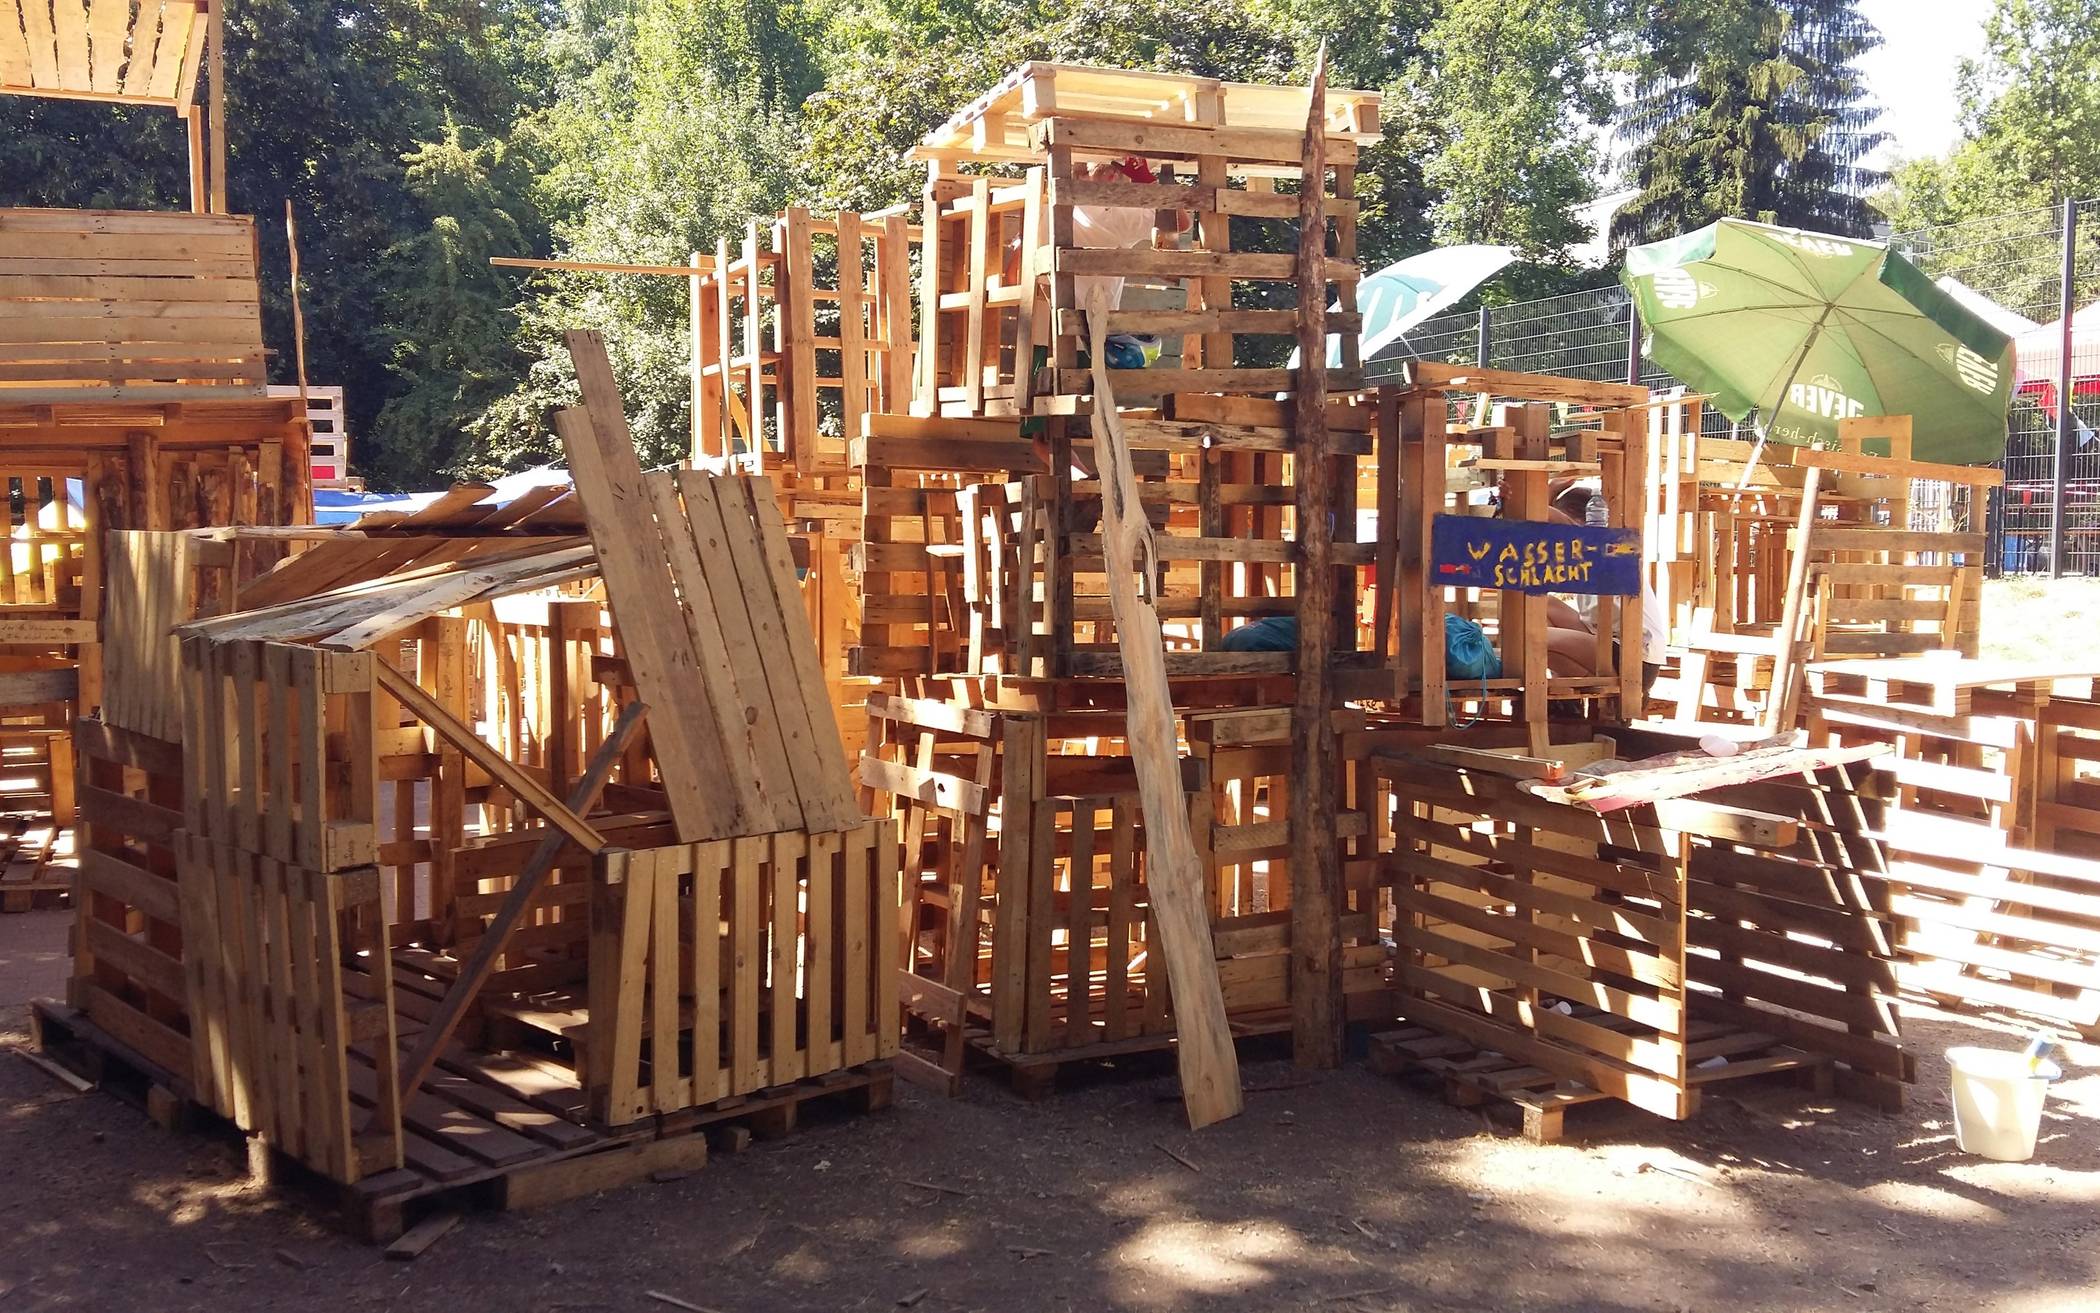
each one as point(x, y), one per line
point(722, 968)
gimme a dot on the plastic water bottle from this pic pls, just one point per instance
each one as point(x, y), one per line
point(2037, 1049)
point(1596, 514)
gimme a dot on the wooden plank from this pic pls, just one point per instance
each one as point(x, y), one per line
point(827, 800)
point(710, 862)
point(787, 852)
point(658, 646)
point(1315, 871)
point(717, 674)
point(1209, 1067)
point(747, 1070)
point(527, 789)
point(763, 746)
point(623, 889)
point(1850, 462)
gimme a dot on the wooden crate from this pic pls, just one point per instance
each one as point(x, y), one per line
point(288, 972)
point(1512, 912)
point(1028, 923)
point(723, 968)
point(128, 938)
point(1417, 449)
point(1996, 774)
point(789, 363)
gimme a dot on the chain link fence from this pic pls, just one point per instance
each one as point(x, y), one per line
point(2020, 261)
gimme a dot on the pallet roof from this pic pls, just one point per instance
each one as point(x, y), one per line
point(997, 124)
point(103, 50)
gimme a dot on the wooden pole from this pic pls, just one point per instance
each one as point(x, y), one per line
point(1785, 696)
point(693, 293)
point(1316, 882)
point(193, 128)
point(291, 245)
point(1210, 1070)
point(215, 126)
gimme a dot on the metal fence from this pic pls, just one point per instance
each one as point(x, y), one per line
point(2038, 264)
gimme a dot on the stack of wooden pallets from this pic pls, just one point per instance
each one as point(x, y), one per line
point(535, 811)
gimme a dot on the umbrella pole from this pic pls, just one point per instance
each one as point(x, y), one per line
point(1764, 427)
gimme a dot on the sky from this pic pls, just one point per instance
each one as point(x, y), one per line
point(1912, 75)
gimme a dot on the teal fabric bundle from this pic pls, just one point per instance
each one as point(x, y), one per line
point(1467, 652)
point(1276, 633)
point(1468, 655)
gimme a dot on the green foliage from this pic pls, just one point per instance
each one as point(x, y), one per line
point(1513, 85)
point(1750, 108)
point(417, 138)
point(447, 314)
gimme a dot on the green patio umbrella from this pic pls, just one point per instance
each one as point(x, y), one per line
point(1806, 329)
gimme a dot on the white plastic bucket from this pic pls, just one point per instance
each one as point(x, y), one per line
point(1997, 1102)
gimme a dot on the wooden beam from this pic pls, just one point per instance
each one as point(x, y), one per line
point(215, 125)
point(1316, 877)
point(1785, 695)
point(438, 1032)
point(698, 266)
point(508, 773)
point(1210, 1072)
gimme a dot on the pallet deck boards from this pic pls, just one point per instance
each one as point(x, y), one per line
point(1469, 1076)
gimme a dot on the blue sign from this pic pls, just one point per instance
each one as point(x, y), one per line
point(1530, 556)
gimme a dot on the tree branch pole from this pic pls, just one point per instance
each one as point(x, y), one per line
point(1210, 1069)
point(1316, 884)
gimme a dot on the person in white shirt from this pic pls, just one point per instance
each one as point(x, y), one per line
point(1571, 640)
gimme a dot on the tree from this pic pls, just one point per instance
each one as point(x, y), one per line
point(2030, 117)
point(1748, 108)
point(327, 102)
point(652, 152)
point(1513, 86)
point(447, 316)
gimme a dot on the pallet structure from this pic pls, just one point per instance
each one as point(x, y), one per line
point(532, 842)
point(132, 368)
point(1523, 451)
point(1644, 953)
point(328, 441)
point(1722, 553)
point(999, 736)
point(547, 834)
point(133, 372)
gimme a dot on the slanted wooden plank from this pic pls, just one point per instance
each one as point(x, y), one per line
point(758, 738)
point(1210, 1084)
point(522, 785)
point(710, 649)
point(689, 749)
point(827, 800)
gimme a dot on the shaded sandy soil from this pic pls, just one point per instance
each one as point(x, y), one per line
point(1343, 1191)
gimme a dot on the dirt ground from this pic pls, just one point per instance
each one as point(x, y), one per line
point(1340, 1191)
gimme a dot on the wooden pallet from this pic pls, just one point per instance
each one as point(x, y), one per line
point(1034, 1076)
point(1470, 1076)
point(486, 1131)
point(36, 864)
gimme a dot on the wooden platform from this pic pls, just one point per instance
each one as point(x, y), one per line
point(485, 1131)
point(36, 864)
point(1469, 1076)
point(1035, 1075)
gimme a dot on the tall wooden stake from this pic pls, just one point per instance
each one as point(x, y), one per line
point(215, 126)
point(1316, 880)
point(1210, 1070)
